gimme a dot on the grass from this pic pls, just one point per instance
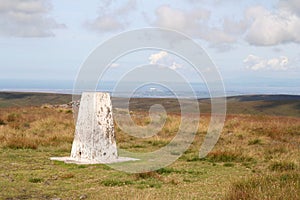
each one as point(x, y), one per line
point(256, 157)
point(255, 141)
point(275, 186)
point(34, 127)
point(282, 166)
point(35, 180)
point(228, 164)
point(114, 182)
point(227, 156)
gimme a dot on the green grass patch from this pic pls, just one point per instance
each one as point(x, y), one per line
point(35, 180)
point(114, 182)
point(166, 171)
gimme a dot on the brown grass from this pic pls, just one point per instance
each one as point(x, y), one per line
point(35, 127)
point(270, 187)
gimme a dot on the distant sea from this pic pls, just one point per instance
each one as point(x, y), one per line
point(199, 90)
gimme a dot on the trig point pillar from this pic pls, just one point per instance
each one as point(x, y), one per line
point(94, 136)
point(94, 140)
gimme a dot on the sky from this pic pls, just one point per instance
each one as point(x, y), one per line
point(252, 43)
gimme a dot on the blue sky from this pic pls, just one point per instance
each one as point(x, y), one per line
point(250, 41)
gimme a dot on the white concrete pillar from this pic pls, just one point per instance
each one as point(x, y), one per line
point(94, 140)
point(94, 136)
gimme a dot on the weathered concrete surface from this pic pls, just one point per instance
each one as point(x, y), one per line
point(94, 140)
point(94, 135)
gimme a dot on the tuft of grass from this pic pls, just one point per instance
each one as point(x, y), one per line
point(227, 156)
point(282, 166)
point(255, 141)
point(194, 159)
point(12, 117)
point(228, 164)
point(158, 143)
point(149, 184)
point(19, 142)
point(35, 180)
point(147, 175)
point(26, 125)
point(114, 182)
point(276, 150)
point(166, 170)
point(2, 122)
point(279, 186)
point(67, 176)
point(68, 111)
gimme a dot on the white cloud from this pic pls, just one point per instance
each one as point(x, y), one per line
point(115, 65)
point(175, 66)
point(259, 26)
point(29, 18)
point(154, 58)
point(272, 28)
point(257, 63)
point(192, 22)
point(165, 59)
point(111, 18)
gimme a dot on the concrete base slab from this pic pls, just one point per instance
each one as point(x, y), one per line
point(90, 162)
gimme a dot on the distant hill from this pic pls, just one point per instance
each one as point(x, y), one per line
point(279, 105)
point(276, 97)
point(285, 105)
point(20, 99)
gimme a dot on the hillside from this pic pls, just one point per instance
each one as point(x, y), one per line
point(21, 99)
